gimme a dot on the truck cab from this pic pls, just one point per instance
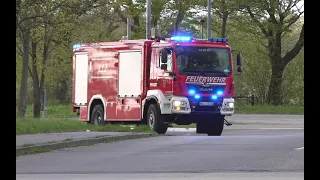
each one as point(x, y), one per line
point(192, 81)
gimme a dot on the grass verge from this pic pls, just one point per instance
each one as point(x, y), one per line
point(34, 126)
point(71, 144)
point(58, 111)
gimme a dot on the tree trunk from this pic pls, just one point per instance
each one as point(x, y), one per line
point(18, 6)
point(24, 75)
point(274, 93)
point(35, 79)
point(36, 102)
point(225, 15)
point(278, 65)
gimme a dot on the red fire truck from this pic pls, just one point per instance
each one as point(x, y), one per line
point(158, 82)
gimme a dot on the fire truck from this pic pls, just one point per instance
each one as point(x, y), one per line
point(158, 82)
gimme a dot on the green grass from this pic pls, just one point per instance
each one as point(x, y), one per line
point(269, 109)
point(54, 111)
point(34, 126)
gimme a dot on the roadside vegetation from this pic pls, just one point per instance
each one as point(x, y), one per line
point(34, 126)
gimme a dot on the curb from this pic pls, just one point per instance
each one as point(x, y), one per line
point(80, 142)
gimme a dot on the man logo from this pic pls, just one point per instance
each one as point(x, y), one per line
point(206, 89)
point(205, 84)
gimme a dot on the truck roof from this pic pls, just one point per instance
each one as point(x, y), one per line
point(214, 42)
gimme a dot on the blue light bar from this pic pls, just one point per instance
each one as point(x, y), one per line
point(225, 40)
point(219, 93)
point(197, 96)
point(181, 38)
point(192, 91)
point(76, 46)
point(214, 97)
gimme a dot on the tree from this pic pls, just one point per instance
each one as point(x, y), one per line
point(44, 24)
point(24, 17)
point(274, 19)
point(224, 8)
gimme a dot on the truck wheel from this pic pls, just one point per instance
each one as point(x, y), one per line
point(97, 117)
point(215, 127)
point(155, 120)
point(201, 128)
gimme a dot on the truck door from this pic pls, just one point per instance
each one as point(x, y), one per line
point(164, 80)
point(129, 85)
point(81, 79)
point(154, 65)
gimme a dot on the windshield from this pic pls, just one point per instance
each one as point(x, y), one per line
point(208, 61)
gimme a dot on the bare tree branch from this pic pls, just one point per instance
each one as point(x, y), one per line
point(264, 31)
point(296, 49)
point(293, 20)
point(270, 10)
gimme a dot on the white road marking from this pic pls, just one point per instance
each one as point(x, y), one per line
point(182, 129)
point(280, 128)
point(299, 149)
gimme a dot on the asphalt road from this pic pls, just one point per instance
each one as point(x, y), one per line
point(276, 153)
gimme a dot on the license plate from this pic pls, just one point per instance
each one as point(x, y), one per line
point(206, 103)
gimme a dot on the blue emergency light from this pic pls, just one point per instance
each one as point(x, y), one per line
point(219, 93)
point(225, 40)
point(181, 38)
point(214, 97)
point(76, 46)
point(192, 91)
point(197, 96)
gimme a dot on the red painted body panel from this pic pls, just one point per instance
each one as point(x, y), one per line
point(128, 109)
point(103, 80)
point(83, 113)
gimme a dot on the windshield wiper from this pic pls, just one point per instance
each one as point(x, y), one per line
point(186, 70)
point(218, 70)
point(221, 72)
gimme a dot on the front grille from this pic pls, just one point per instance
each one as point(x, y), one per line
point(196, 107)
point(212, 89)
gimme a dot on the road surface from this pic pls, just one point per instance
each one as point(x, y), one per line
point(274, 153)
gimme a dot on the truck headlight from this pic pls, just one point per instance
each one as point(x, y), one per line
point(179, 105)
point(231, 105)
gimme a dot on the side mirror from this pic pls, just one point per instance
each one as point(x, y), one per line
point(239, 63)
point(239, 69)
point(239, 60)
point(164, 66)
point(164, 56)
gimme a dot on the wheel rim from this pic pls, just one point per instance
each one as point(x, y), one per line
point(98, 118)
point(151, 120)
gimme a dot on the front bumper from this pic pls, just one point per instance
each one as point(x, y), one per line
point(184, 105)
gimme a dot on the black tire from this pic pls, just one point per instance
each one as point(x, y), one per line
point(216, 125)
point(97, 115)
point(201, 127)
point(156, 120)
